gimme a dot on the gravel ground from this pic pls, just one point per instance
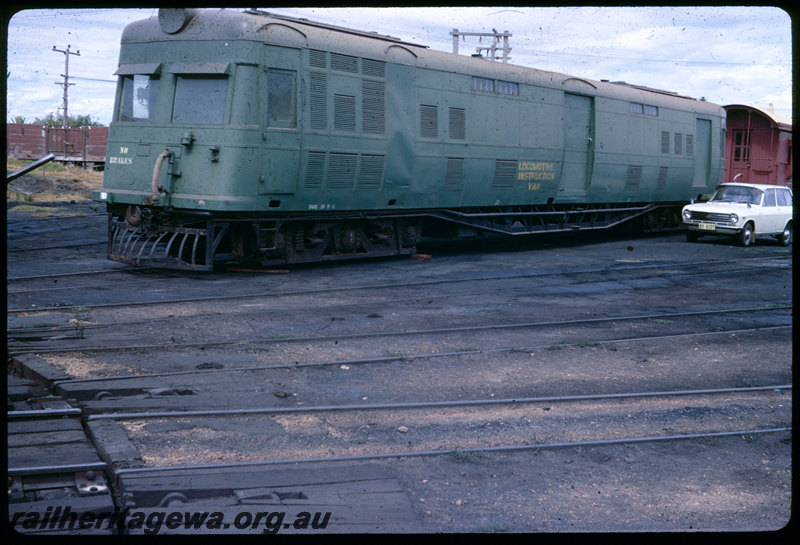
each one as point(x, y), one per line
point(735, 483)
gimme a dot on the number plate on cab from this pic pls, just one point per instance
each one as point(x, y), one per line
point(707, 226)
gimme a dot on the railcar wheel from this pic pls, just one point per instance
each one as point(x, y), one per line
point(785, 238)
point(747, 235)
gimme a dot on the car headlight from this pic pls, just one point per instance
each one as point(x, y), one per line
point(734, 218)
point(687, 215)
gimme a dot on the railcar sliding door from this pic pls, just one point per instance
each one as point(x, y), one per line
point(702, 155)
point(576, 174)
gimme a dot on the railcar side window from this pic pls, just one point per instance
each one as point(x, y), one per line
point(636, 108)
point(643, 109)
point(199, 99)
point(139, 94)
point(482, 84)
point(280, 108)
point(507, 88)
point(501, 87)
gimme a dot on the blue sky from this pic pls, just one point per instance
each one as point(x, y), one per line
point(728, 55)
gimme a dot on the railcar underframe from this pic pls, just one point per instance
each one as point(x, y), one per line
point(191, 240)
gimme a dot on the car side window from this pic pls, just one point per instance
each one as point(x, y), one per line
point(769, 200)
point(784, 198)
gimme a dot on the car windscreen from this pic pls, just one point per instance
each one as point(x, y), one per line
point(729, 193)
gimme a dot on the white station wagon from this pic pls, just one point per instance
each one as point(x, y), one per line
point(741, 211)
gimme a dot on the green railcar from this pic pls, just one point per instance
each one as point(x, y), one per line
point(251, 137)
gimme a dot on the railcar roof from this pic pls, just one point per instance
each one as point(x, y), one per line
point(282, 30)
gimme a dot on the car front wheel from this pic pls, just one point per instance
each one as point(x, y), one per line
point(746, 235)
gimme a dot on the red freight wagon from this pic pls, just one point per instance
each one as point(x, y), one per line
point(25, 141)
point(757, 147)
point(85, 145)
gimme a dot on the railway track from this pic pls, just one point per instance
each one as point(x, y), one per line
point(177, 315)
point(183, 447)
point(51, 462)
point(21, 342)
point(372, 431)
point(760, 263)
point(610, 385)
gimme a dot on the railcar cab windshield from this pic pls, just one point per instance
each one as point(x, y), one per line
point(197, 98)
point(741, 194)
point(139, 93)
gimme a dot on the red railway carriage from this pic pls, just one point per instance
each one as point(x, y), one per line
point(757, 147)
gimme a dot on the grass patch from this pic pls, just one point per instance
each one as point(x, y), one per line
point(52, 182)
point(40, 211)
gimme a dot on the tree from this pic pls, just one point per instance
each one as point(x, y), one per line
point(72, 120)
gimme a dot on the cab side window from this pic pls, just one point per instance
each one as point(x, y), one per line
point(280, 99)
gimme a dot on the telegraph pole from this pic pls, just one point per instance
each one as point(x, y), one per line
point(65, 75)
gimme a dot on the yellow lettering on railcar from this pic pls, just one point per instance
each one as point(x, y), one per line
point(535, 172)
